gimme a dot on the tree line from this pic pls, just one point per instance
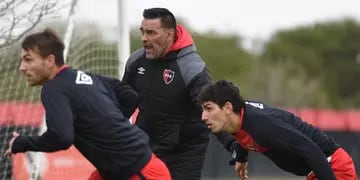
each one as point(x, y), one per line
point(314, 65)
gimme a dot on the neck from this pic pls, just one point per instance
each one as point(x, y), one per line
point(234, 123)
point(167, 49)
point(56, 69)
point(54, 72)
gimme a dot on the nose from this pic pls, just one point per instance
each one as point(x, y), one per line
point(204, 116)
point(22, 66)
point(144, 37)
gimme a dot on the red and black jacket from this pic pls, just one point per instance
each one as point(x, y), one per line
point(292, 144)
point(168, 88)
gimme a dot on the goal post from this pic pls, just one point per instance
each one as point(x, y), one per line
point(124, 36)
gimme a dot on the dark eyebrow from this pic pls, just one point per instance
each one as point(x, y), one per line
point(25, 55)
point(206, 104)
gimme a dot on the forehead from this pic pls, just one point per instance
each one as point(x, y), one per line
point(24, 52)
point(209, 104)
point(29, 52)
point(151, 23)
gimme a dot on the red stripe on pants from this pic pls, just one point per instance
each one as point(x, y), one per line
point(342, 165)
point(155, 169)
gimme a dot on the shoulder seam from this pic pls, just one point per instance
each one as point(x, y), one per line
point(134, 56)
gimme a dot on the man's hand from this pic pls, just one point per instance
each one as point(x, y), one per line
point(8, 151)
point(241, 170)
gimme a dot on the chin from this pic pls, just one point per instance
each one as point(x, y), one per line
point(149, 56)
point(34, 83)
point(31, 83)
point(215, 130)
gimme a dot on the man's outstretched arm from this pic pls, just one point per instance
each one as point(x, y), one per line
point(59, 122)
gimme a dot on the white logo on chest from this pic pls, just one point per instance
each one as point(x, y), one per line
point(141, 70)
point(82, 78)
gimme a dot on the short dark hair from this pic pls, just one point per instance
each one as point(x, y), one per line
point(45, 43)
point(166, 17)
point(220, 92)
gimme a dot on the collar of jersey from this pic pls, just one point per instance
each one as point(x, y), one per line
point(61, 69)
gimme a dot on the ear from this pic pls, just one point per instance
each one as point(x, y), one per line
point(171, 34)
point(50, 60)
point(228, 107)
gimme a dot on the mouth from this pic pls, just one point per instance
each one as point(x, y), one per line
point(28, 77)
point(147, 47)
point(209, 126)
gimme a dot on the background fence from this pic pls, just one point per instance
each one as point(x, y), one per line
point(344, 126)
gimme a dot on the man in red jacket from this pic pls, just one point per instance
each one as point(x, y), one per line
point(168, 73)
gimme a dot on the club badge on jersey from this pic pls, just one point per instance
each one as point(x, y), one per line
point(168, 76)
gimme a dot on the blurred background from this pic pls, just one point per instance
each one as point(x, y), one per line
point(303, 56)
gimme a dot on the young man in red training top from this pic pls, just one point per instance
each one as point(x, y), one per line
point(292, 144)
point(83, 110)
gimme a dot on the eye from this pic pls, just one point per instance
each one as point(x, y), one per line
point(27, 59)
point(150, 32)
point(207, 108)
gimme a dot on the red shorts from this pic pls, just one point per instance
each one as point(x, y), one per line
point(342, 165)
point(155, 169)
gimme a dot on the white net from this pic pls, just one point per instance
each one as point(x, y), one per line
point(19, 106)
point(91, 52)
point(93, 48)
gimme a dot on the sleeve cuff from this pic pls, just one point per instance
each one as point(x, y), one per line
point(19, 144)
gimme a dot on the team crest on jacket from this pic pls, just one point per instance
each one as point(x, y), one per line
point(168, 76)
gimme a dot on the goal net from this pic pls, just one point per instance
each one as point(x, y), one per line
point(93, 48)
